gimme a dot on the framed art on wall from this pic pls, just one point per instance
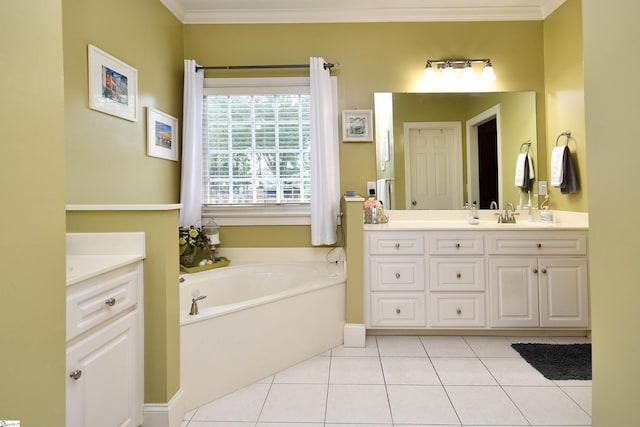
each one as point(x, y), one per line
point(162, 135)
point(357, 125)
point(113, 85)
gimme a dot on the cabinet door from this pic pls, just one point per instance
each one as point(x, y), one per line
point(514, 292)
point(106, 393)
point(564, 294)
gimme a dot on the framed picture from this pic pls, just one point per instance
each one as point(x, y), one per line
point(357, 125)
point(113, 85)
point(162, 135)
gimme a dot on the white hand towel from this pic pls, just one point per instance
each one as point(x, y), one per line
point(522, 157)
point(383, 190)
point(557, 156)
point(531, 171)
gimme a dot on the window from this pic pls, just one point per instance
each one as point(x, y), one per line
point(256, 142)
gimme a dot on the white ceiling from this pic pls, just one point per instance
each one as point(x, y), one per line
point(310, 11)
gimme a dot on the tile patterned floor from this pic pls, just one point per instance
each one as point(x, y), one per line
point(463, 381)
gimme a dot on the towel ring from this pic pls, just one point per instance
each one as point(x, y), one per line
point(566, 133)
point(527, 143)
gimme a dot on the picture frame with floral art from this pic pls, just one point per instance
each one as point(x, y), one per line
point(113, 85)
point(357, 125)
point(162, 135)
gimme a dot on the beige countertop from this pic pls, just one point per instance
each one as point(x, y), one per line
point(457, 220)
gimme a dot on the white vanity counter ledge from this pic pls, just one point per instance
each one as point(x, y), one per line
point(83, 267)
point(457, 220)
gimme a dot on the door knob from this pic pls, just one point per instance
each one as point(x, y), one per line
point(413, 203)
point(75, 374)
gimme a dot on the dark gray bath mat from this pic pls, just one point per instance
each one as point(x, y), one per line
point(558, 361)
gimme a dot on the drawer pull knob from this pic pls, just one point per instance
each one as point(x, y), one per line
point(458, 275)
point(397, 311)
point(539, 245)
point(458, 312)
point(544, 271)
point(457, 245)
point(110, 302)
point(397, 245)
point(397, 275)
point(75, 374)
point(535, 271)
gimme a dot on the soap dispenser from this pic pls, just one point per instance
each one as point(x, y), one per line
point(546, 214)
point(474, 215)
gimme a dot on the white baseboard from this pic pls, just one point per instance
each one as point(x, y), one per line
point(169, 414)
point(355, 335)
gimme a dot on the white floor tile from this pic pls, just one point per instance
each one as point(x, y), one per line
point(547, 406)
point(513, 371)
point(288, 425)
point(370, 349)
point(409, 370)
point(311, 371)
point(359, 404)
point(219, 424)
point(420, 404)
point(409, 346)
point(462, 371)
point(267, 380)
point(361, 425)
point(356, 370)
point(447, 346)
point(482, 405)
point(582, 396)
point(241, 405)
point(295, 403)
point(532, 340)
point(491, 346)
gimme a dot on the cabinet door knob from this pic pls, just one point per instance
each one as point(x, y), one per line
point(535, 271)
point(458, 275)
point(110, 302)
point(397, 245)
point(397, 275)
point(539, 245)
point(458, 312)
point(75, 374)
point(457, 245)
point(397, 311)
point(544, 271)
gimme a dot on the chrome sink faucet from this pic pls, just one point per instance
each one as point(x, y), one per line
point(194, 302)
point(507, 218)
point(493, 205)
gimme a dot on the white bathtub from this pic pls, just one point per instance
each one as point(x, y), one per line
point(257, 319)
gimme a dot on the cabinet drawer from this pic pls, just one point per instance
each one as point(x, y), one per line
point(396, 273)
point(399, 310)
point(456, 274)
point(538, 243)
point(457, 310)
point(389, 243)
point(456, 243)
point(96, 300)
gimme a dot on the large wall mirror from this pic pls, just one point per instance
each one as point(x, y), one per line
point(442, 150)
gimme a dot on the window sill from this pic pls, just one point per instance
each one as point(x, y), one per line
point(258, 215)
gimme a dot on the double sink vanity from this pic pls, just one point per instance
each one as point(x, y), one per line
point(433, 270)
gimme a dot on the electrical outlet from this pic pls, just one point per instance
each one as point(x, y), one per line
point(542, 188)
point(371, 188)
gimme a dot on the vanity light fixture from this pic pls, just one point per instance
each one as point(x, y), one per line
point(449, 67)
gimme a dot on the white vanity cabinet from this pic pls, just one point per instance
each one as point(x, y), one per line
point(456, 279)
point(538, 279)
point(467, 279)
point(395, 275)
point(104, 341)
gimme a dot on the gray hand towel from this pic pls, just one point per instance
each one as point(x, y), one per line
point(569, 178)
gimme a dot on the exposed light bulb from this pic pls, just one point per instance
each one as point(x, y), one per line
point(448, 73)
point(429, 73)
point(467, 73)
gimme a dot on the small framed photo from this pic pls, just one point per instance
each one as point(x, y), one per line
point(113, 85)
point(357, 125)
point(162, 135)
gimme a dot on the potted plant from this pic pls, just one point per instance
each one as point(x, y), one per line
point(194, 246)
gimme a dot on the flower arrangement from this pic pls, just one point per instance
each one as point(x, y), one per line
point(191, 239)
point(373, 212)
point(372, 203)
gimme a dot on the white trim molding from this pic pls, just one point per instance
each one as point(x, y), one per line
point(168, 414)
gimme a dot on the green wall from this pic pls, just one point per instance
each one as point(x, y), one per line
point(32, 247)
point(375, 57)
point(564, 87)
point(106, 155)
point(107, 163)
point(612, 128)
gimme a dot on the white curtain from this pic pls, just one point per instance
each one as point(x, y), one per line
point(191, 177)
point(325, 167)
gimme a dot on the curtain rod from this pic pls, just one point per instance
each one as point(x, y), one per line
point(327, 66)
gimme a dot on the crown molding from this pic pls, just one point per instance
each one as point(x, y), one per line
point(549, 6)
point(426, 14)
point(176, 8)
